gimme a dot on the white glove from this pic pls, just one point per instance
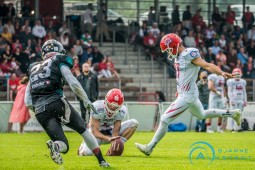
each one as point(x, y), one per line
point(218, 93)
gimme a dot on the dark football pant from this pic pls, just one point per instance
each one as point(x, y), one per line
point(50, 120)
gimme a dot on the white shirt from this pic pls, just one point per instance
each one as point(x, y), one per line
point(186, 71)
point(105, 121)
point(237, 90)
point(39, 31)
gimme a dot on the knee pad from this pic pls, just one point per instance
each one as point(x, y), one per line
point(135, 123)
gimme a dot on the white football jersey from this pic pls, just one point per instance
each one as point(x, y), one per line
point(186, 71)
point(219, 82)
point(237, 89)
point(105, 121)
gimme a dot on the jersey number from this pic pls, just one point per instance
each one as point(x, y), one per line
point(46, 73)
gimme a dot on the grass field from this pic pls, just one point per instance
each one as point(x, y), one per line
point(232, 150)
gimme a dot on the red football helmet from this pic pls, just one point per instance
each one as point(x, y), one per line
point(114, 99)
point(170, 44)
point(237, 73)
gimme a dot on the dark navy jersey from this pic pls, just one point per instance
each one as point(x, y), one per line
point(46, 80)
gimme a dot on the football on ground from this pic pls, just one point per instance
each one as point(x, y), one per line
point(117, 148)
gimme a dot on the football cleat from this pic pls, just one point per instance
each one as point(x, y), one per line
point(144, 149)
point(104, 164)
point(209, 131)
point(237, 116)
point(220, 131)
point(54, 153)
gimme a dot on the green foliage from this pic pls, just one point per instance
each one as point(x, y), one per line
point(29, 151)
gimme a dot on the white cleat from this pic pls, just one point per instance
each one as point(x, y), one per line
point(104, 164)
point(144, 149)
point(54, 153)
point(237, 116)
point(209, 131)
point(220, 131)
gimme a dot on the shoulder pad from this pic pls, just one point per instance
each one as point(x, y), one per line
point(65, 60)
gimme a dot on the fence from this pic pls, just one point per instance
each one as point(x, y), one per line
point(146, 113)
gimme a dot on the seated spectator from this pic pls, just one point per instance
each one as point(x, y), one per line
point(103, 69)
point(13, 83)
point(49, 35)
point(149, 43)
point(251, 33)
point(86, 39)
point(111, 67)
point(216, 48)
point(76, 67)
point(10, 27)
point(38, 30)
point(6, 35)
point(210, 57)
point(30, 45)
point(26, 26)
point(138, 39)
point(249, 71)
point(5, 67)
point(154, 30)
point(242, 56)
point(78, 48)
point(251, 49)
point(1, 27)
point(51, 27)
point(222, 42)
point(38, 49)
point(2, 45)
point(25, 36)
point(7, 54)
point(17, 29)
point(239, 65)
point(189, 41)
point(209, 35)
point(97, 56)
point(14, 64)
point(64, 28)
point(16, 44)
point(87, 56)
point(23, 58)
point(232, 58)
point(221, 57)
point(199, 39)
point(64, 39)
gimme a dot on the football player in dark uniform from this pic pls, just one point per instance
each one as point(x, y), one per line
point(44, 95)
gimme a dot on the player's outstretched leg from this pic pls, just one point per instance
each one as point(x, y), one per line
point(54, 152)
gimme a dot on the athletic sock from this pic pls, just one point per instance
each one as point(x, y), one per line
point(97, 152)
point(160, 133)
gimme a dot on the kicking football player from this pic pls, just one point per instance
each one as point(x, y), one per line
point(107, 124)
point(216, 99)
point(187, 65)
point(44, 94)
point(237, 94)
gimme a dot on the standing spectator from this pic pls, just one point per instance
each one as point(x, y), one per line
point(230, 18)
point(151, 16)
point(203, 90)
point(103, 69)
point(38, 30)
point(195, 18)
point(242, 56)
point(102, 23)
point(87, 19)
point(20, 112)
point(3, 11)
point(11, 11)
point(189, 41)
point(26, 10)
point(176, 15)
point(216, 19)
point(13, 83)
point(186, 18)
point(89, 83)
point(248, 19)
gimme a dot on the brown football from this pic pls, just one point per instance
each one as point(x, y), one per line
point(116, 149)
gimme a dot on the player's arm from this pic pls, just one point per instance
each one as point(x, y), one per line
point(116, 128)
point(245, 94)
point(28, 97)
point(95, 125)
point(210, 67)
point(74, 84)
point(212, 88)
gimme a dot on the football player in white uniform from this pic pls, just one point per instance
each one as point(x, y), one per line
point(187, 66)
point(107, 125)
point(237, 94)
point(216, 99)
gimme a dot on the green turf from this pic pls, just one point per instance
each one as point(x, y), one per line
point(28, 151)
